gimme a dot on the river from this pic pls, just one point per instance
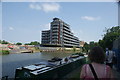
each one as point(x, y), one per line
point(12, 61)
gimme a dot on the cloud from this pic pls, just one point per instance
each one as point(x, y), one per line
point(11, 28)
point(50, 7)
point(46, 7)
point(35, 6)
point(90, 18)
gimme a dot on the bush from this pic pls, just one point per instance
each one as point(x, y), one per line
point(5, 52)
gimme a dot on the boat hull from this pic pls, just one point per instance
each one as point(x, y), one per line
point(54, 73)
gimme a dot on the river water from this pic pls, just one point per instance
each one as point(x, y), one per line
point(12, 61)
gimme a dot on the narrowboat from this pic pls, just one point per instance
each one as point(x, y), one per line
point(55, 68)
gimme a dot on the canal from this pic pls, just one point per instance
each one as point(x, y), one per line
point(12, 61)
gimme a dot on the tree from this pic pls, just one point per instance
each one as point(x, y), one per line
point(27, 43)
point(102, 43)
point(93, 44)
point(109, 37)
point(33, 43)
point(86, 47)
point(18, 43)
point(5, 42)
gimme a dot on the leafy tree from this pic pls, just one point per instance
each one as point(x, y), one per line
point(5, 42)
point(102, 43)
point(109, 37)
point(33, 43)
point(89, 46)
point(96, 44)
point(86, 47)
point(27, 43)
point(93, 44)
point(18, 43)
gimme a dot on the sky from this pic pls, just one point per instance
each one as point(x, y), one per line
point(119, 13)
point(0, 21)
point(59, 0)
point(24, 21)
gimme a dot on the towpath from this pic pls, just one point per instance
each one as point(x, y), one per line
point(75, 75)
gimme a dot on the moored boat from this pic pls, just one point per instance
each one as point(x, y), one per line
point(50, 69)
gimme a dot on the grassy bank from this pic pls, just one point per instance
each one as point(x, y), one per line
point(4, 52)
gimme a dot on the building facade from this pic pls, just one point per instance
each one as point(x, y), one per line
point(59, 35)
point(45, 37)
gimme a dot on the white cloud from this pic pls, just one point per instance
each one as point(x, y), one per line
point(90, 18)
point(35, 6)
point(11, 28)
point(46, 7)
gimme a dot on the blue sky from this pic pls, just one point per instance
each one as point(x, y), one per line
point(0, 21)
point(24, 21)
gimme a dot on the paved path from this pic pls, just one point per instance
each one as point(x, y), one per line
point(75, 75)
point(116, 74)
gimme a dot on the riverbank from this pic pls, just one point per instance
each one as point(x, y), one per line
point(4, 52)
point(59, 50)
point(43, 50)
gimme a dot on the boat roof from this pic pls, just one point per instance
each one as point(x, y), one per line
point(34, 67)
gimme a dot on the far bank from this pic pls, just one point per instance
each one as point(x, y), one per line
point(42, 49)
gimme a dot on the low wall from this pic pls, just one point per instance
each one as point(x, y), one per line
point(58, 49)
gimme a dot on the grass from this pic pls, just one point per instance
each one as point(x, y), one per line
point(4, 52)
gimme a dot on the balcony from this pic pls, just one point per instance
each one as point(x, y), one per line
point(66, 29)
point(55, 30)
point(66, 32)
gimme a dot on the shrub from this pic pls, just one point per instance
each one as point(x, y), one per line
point(5, 52)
